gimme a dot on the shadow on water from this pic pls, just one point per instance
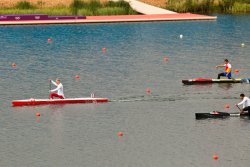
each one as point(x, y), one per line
point(225, 86)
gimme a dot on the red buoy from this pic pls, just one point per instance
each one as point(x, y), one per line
point(120, 134)
point(38, 114)
point(13, 65)
point(148, 90)
point(227, 106)
point(104, 50)
point(165, 59)
point(49, 40)
point(215, 157)
point(236, 70)
point(77, 77)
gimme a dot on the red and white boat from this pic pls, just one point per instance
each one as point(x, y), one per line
point(28, 102)
point(210, 81)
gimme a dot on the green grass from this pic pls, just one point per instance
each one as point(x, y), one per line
point(112, 11)
point(85, 12)
point(49, 11)
point(241, 8)
point(117, 4)
point(16, 11)
point(23, 5)
point(209, 6)
point(55, 11)
point(78, 7)
point(105, 11)
point(94, 7)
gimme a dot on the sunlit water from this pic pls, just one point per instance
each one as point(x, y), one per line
point(159, 128)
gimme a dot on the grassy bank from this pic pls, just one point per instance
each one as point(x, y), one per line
point(209, 6)
point(77, 7)
point(105, 7)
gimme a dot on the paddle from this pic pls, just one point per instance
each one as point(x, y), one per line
point(238, 107)
point(49, 87)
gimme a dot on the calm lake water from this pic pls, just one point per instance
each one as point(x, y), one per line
point(159, 128)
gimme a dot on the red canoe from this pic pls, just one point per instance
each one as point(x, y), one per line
point(31, 101)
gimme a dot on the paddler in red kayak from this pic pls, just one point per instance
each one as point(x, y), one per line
point(228, 68)
point(58, 91)
point(246, 104)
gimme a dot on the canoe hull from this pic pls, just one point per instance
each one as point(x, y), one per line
point(29, 102)
point(210, 81)
point(218, 115)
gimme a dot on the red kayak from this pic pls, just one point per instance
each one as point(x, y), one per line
point(31, 101)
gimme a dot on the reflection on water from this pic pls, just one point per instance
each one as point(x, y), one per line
point(225, 86)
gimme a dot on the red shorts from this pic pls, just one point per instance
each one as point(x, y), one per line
point(52, 95)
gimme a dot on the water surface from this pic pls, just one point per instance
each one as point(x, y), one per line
point(159, 128)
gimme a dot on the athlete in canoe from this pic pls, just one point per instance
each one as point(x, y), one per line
point(58, 91)
point(246, 104)
point(228, 68)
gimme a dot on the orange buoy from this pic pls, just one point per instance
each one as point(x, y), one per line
point(38, 114)
point(227, 106)
point(236, 70)
point(120, 134)
point(215, 157)
point(148, 90)
point(77, 77)
point(13, 65)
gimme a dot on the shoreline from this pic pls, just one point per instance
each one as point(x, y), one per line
point(122, 7)
point(116, 19)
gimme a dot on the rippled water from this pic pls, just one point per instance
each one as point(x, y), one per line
point(159, 128)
